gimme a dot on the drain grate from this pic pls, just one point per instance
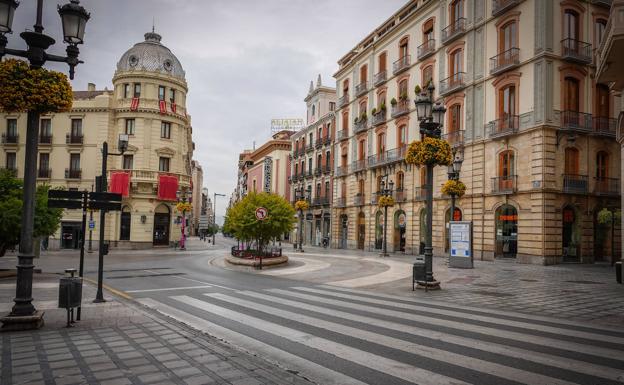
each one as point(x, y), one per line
point(145, 275)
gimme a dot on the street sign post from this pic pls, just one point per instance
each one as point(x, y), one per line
point(461, 255)
point(262, 213)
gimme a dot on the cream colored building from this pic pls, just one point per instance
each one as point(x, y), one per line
point(197, 177)
point(160, 144)
point(535, 130)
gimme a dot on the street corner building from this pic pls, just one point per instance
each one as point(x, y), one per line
point(535, 129)
point(148, 103)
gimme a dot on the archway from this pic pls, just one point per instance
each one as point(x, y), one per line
point(400, 230)
point(379, 229)
point(457, 216)
point(506, 218)
point(344, 231)
point(423, 232)
point(162, 224)
point(125, 223)
point(361, 231)
point(570, 235)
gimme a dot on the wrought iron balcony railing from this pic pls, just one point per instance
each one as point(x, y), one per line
point(361, 88)
point(340, 202)
point(420, 193)
point(501, 6)
point(380, 78)
point(576, 121)
point(44, 173)
point(379, 118)
point(454, 30)
point(327, 169)
point(504, 184)
point(576, 50)
point(575, 184)
point(327, 139)
point(359, 199)
point(320, 201)
point(358, 165)
point(318, 171)
point(425, 49)
point(10, 138)
point(504, 126)
point(453, 83)
point(343, 134)
point(342, 171)
point(400, 196)
point(401, 65)
point(45, 139)
point(71, 173)
point(607, 186)
point(360, 125)
point(604, 3)
point(343, 101)
point(401, 108)
point(455, 138)
point(504, 61)
point(375, 197)
point(604, 126)
point(310, 147)
point(74, 139)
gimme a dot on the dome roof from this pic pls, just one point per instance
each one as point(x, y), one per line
point(151, 55)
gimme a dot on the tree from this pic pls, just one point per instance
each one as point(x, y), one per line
point(47, 220)
point(241, 218)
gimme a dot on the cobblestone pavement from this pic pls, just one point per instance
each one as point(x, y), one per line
point(120, 343)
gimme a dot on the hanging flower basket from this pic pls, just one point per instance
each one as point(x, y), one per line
point(386, 201)
point(184, 207)
point(454, 187)
point(429, 151)
point(302, 205)
point(25, 89)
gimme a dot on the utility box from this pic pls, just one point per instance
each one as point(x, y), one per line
point(618, 271)
point(418, 271)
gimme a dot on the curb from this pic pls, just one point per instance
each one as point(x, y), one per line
point(252, 262)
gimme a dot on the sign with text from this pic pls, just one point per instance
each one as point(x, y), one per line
point(460, 236)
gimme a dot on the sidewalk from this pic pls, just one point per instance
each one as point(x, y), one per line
point(120, 342)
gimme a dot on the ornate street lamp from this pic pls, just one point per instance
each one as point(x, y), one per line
point(387, 192)
point(453, 174)
point(431, 120)
point(24, 315)
point(181, 198)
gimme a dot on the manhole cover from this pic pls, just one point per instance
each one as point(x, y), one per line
point(586, 282)
point(492, 293)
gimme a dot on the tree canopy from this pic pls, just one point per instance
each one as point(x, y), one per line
point(242, 223)
point(47, 220)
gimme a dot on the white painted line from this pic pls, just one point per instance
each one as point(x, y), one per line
point(36, 285)
point(310, 265)
point(167, 289)
point(193, 280)
point(370, 360)
point(504, 350)
point(395, 272)
point(309, 369)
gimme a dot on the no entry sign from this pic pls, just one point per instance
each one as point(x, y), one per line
point(261, 213)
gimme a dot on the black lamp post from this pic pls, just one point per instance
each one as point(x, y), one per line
point(301, 194)
point(387, 192)
point(431, 120)
point(453, 174)
point(74, 18)
point(181, 197)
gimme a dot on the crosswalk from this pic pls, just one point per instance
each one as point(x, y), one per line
point(343, 336)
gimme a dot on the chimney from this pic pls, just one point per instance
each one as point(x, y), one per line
point(91, 87)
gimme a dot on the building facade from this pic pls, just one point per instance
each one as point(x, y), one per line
point(312, 160)
point(197, 179)
point(148, 102)
point(536, 132)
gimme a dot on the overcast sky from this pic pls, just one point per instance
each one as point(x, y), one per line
point(246, 61)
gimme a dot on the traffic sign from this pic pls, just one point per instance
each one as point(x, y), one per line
point(261, 213)
point(105, 196)
point(91, 225)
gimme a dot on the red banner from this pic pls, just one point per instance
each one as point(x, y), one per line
point(173, 107)
point(135, 104)
point(167, 187)
point(120, 183)
point(163, 106)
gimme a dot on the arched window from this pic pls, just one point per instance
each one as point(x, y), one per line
point(362, 149)
point(400, 181)
point(313, 109)
point(381, 100)
point(507, 103)
point(402, 135)
point(599, 28)
point(362, 107)
point(507, 37)
point(454, 123)
point(383, 57)
point(345, 121)
point(296, 169)
point(571, 161)
point(381, 144)
point(456, 65)
point(427, 76)
point(403, 89)
point(428, 31)
point(571, 26)
point(457, 10)
point(363, 74)
point(403, 48)
point(602, 165)
point(343, 191)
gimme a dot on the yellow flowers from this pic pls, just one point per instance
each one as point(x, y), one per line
point(184, 207)
point(454, 187)
point(302, 205)
point(38, 89)
point(429, 151)
point(385, 201)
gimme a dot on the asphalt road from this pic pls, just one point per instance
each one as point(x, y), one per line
point(336, 333)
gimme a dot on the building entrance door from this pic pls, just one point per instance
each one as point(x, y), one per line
point(344, 220)
point(506, 232)
point(71, 235)
point(361, 231)
point(570, 236)
point(162, 223)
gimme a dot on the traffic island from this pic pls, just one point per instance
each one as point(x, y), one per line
point(256, 262)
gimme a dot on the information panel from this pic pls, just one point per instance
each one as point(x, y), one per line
point(460, 234)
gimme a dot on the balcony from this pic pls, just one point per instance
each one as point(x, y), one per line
point(342, 171)
point(426, 49)
point(310, 147)
point(607, 186)
point(504, 61)
point(576, 51)
point(504, 184)
point(380, 78)
point(295, 153)
point(340, 202)
point(400, 109)
point(400, 196)
point(501, 6)
point(45, 140)
point(361, 89)
point(327, 139)
point(71, 173)
point(401, 65)
point(604, 126)
point(604, 3)
point(10, 138)
point(344, 100)
point(575, 184)
point(74, 139)
point(387, 157)
point(575, 121)
point(319, 143)
point(453, 83)
point(343, 134)
point(301, 176)
point(44, 173)
point(420, 194)
point(611, 49)
point(375, 197)
point(454, 30)
point(379, 118)
point(327, 169)
point(292, 178)
point(309, 174)
point(358, 165)
point(455, 138)
point(318, 171)
point(320, 201)
point(359, 199)
point(361, 124)
point(503, 127)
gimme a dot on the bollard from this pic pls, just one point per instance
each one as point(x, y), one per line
point(618, 271)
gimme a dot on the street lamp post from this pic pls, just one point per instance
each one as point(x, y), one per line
point(181, 197)
point(74, 19)
point(214, 216)
point(387, 192)
point(122, 145)
point(431, 118)
point(453, 174)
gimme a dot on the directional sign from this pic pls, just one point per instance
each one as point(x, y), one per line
point(105, 196)
point(64, 204)
point(64, 194)
point(63, 199)
point(91, 225)
point(109, 206)
point(261, 213)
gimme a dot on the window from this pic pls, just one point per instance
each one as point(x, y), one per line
point(363, 74)
point(319, 161)
point(361, 187)
point(318, 190)
point(507, 37)
point(457, 10)
point(400, 181)
point(428, 32)
point(320, 134)
point(362, 107)
point(344, 158)
point(44, 162)
point(403, 48)
point(12, 127)
point(427, 76)
point(165, 130)
point(310, 166)
point(254, 185)
point(296, 168)
point(343, 191)
point(571, 161)
point(332, 106)
point(126, 91)
point(345, 87)
point(311, 139)
point(507, 102)
point(345, 121)
point(362, 149)
point(402, 136)
point(163, 164)
point(571, 97)
point(74, 162)
point(137, 90)
point(602, 101)
point(381, 144)
point(326, 189)
point(172, 95)
point(76, 128)
point(455, 64)
point(45, 131)
point(11, 161)
point(383, 58)
point(599, 29)
point(128, 161)
point(328, 159)
point(403, 89)
point(313, 109)
point(130, 126)
point(161, 92)
point(570, 25)
point(602, 165)
point(303, 166)
point(506, 164)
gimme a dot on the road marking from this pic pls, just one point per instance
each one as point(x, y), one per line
point(320, 373)
point(395, 272)
point(168, 288)
point(309, 266)
point(361, 357)
point(194, 280)
point(120, 293)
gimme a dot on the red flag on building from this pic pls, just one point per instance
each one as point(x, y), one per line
point(120, 183)
point(163, 106)
point(135, 104)
point(167, 187)
point(173, 107)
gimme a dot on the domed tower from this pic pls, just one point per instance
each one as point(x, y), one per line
point(150, 106)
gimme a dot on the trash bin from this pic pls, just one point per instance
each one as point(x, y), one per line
point(70, 294)
point(418, 271)
point(618, 271)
